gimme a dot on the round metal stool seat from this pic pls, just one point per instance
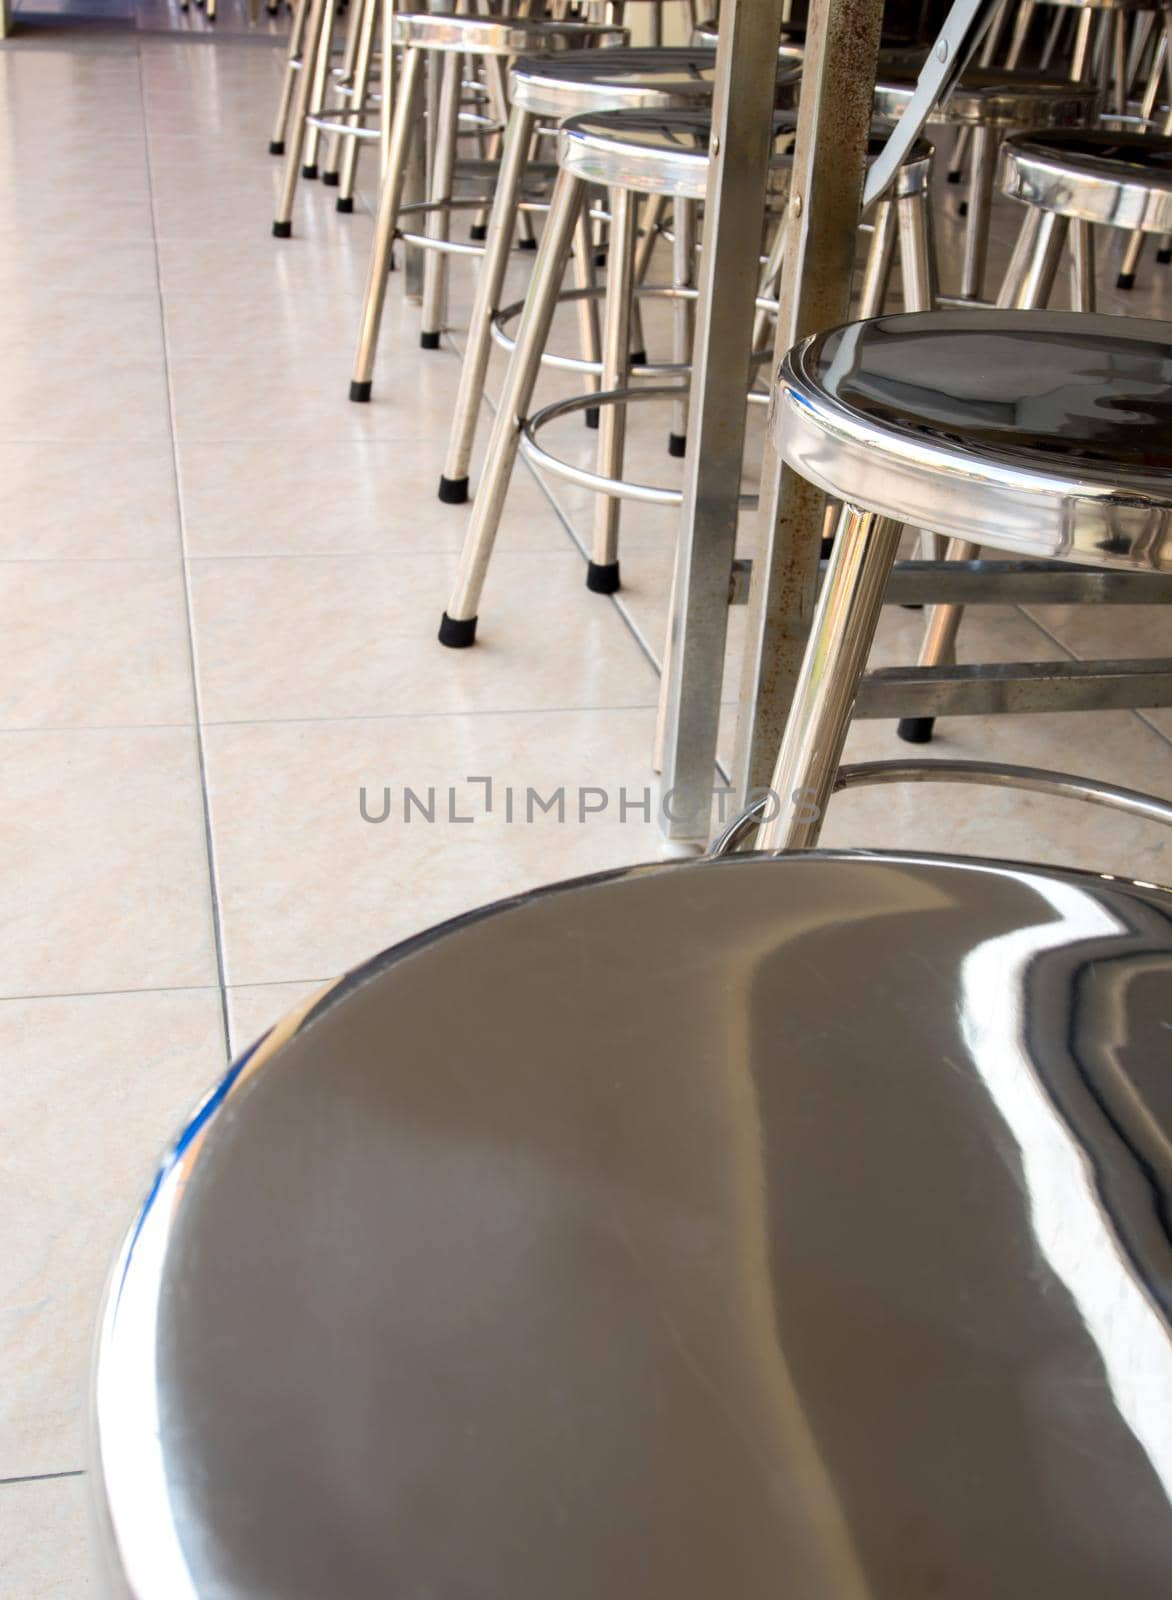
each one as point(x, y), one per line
point(764, 1226)
point(1120, 180)
point(1048, 433)
point(990, 97)
point(599, 80)
point(496, 36)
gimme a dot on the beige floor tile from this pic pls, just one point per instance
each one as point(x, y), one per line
point(71, 264)
point(44, 1542)
point(352, 496)
point(102, 863)
point(59, 399)
point(100, 643)
point(84, 500)
point(356, 636)
point(91, 333)
point(253, 1008)
point(279, 328)
point(255, 263)
point(93, 1090)
point(307, 886)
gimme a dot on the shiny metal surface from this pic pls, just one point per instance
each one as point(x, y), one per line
point(1121, 179)
point(668, 152)
point(1041, 432)
point(990, 97)
point(597, 80)
point(768, 1226)
point(499, 36)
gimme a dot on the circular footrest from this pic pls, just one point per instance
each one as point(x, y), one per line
point(339, 122)
point(617, 488)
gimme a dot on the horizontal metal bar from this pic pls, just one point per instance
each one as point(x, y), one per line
point(1014, 687)
point(1025, 583)
point(988, 583)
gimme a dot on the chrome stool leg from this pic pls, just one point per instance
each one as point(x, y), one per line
point(683, 311)
point(980, 202)
point(453, 486)
point(343, 90)
point(296, 46)
point(1082, 265)
point(361, 88)
point(847, 614)
point(319, 14)
point(317, 101)
point(435, 266)
point(390, 199)
point(589, 327)
point(1029, 282)
point(458, 627)
point(602, 573)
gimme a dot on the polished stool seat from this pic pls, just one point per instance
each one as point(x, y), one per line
point(990, 103)
point(759, 1227)
point(632, 153)
point(1085, 179)
point(1041, 434)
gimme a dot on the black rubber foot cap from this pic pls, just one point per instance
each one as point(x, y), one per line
point(602, 579)
point(457, 635)
point(916, 730)
point(600, 258)
point(276, 147)
point(359, 391)
point(344, 204)
point(592, 416)
point(638, 358)
point(677, 444)
point(331, 179)
point(1164, 257)
point(453, 491)
point(478, 232)
point(429, 341)
point(955, 177)
point(911, 605)
point(309, 172)
point(962, 209)
point(1125, 280)
point(282, 230)
point(526, 244)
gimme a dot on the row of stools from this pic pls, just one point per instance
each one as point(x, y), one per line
point(792, 1222)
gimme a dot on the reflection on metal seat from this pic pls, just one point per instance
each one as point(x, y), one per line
point(766, 1226)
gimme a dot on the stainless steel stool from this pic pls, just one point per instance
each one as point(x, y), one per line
point(548, 91)
point(1074, 182)
point(1041, 433)
point(631, 153)
point(495, 41)
point(765, 1226)
point(992, 103)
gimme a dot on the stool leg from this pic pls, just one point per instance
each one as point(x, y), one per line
point(389, 199)
point(439, 218)
point(880, 255)
point(985, 59)
point(652, 221)
point(1081, 57)
point(349, 167)
point(458, 627)
point(296, 44)
point(1082, 266)
point(317, 99)
point(589, 329)
point(770, 273)
point(602, 573)
point(683, 313)
point(865, 547)
point(453, 487)
point(976, 238)
point(295, 141)
point(331, 176)
point(915, 253)
point(1021, 28)
point(1028, 285)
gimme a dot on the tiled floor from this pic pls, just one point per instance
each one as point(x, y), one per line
point(219, 584)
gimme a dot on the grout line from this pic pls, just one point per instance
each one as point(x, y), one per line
point(162, 988)
point(209, 843)
point(43, 1477)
